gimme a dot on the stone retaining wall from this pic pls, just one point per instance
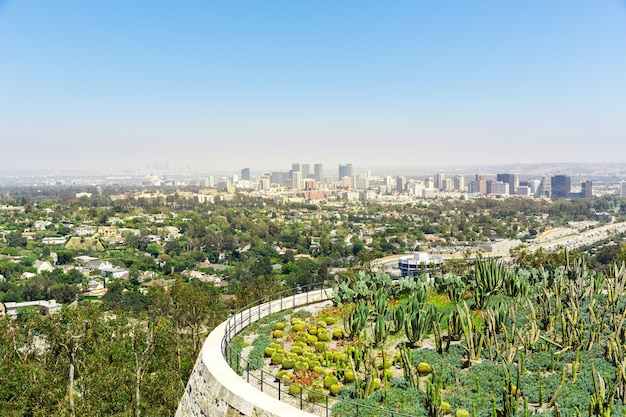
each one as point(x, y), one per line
point(215, 390)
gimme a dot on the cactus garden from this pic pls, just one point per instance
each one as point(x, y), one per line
point(501, 341)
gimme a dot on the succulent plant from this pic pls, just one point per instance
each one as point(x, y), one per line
point(330, 380)
point(349, 376)
point(288, 363)
point(461, 412)
point(335, 389)
point(295, 389)
point(277, 358)
point(423, 368)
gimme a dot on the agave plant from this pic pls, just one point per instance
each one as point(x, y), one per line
point(381, 330)
point(417, 325)
point(356, 320)
point(398, 315)
point(380, 302)
point(489, 275)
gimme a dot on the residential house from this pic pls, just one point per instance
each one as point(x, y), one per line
point(41, 224)
point(84, 230)
point(44, 307)
point(41, 266)
point(51, 240)
point(117, 273)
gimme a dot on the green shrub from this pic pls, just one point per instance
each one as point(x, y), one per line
point(260, 345)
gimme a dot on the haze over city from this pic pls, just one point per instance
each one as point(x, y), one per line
point(222, 85)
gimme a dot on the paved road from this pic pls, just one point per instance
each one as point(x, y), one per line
point(575, 240)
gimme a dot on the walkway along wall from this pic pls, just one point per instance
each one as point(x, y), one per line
point(215, 390)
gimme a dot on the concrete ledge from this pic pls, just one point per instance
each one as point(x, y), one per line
point(215, 390)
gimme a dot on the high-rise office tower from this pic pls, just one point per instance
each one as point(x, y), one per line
point(481, 179)
point(278, 178)
point(499, 188)
point(545, 187)
point(459, 182)
point(489, 185)
point(511, 179)
point(265, 182)
point(586, 189)
point(296, 180)
point(318, 172)
point(295, 167)
point(561, 186)
point(439, 179)
point(400, 183)
point(306, 170)
point(245, 174)
point(345, 171)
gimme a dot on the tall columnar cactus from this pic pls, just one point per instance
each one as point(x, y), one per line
point(530, 336)
point(474, 339)
point(616, 290)
point(409, 374)
point(433, 397)
point(489, 275)
point(620, 380)
point(436, 328)
point(601, 400)
point(552, 402)
point(511, 393)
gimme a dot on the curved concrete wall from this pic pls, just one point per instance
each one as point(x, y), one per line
point(215, 390)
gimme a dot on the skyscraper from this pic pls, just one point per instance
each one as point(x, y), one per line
point(345, 171)
point(278, 178)
point(439, 179)
point(545, 187)
point(459, 182)
point(400, 183)
point(481, 179)
point(264, 184)
point(318, 172)
point(511, 179)
point(245, 174)
point(296, 180)
point(586, 189)
point(561, 186)
point(306, 170)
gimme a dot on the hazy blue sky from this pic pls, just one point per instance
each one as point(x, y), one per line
point(227, 84)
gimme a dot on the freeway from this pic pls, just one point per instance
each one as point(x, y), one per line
point(580, 239)
point(571, 241)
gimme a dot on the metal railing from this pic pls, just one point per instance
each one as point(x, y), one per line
point(306, 399)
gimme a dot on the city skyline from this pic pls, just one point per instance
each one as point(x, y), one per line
point(216, 86)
